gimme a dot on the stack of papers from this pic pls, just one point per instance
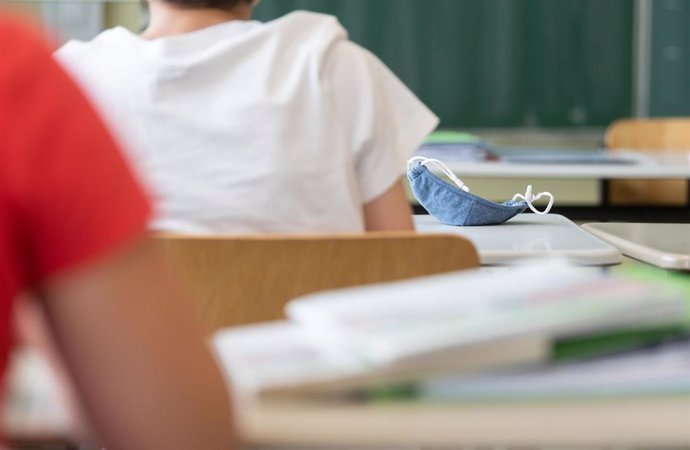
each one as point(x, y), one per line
point(452, 146)
point(455, 146)
point(658, 370)
point(354, 339)
point(521, 155)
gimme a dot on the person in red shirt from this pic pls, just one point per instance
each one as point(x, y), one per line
point(72, 232)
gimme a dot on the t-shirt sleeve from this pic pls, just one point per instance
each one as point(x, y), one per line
point(384, 121)
point(75, 195)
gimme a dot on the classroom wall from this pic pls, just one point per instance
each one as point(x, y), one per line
point(502, 63)
point(128, 15)
point(21, 7)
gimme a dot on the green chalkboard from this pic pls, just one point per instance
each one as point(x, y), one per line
point(488, 63)
point(670, 68)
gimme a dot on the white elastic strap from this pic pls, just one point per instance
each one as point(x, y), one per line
point(529, 198)
point(441, 166)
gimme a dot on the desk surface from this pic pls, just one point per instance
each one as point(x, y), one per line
point(648, 165)
point(628, 423)
point(661, 244)
point(530, 236)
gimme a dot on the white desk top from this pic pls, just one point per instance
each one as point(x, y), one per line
point(661, 244)
point(530, 236)
point(648, 165)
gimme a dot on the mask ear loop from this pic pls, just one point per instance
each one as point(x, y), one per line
point(441, 166)
point(529, 198)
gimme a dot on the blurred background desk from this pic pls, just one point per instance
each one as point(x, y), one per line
point(663, 245)
point(544, 164)
point(581, 189)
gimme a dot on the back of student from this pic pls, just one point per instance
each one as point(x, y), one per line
point(243, 126)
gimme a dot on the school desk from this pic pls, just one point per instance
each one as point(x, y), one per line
point(631, 165)
point(663, 245)
point(529, 236)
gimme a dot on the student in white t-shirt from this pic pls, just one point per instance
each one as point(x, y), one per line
point(247, 127)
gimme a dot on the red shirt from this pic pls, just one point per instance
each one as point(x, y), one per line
point(66, 195)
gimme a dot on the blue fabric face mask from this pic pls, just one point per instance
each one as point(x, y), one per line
point(455, 205)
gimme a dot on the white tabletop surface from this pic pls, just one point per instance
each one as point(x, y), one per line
point(661, 244)
point(648, 165)
point(530, 236)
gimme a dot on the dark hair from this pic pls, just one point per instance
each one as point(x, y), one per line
point(217, 4)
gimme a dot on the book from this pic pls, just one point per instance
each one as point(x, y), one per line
point(528, 155)
point(456, 146)
point(348, 341)
point(661, 370)
point(282, 359)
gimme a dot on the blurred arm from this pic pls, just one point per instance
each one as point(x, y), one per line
point(131, 342)
point(390, 211)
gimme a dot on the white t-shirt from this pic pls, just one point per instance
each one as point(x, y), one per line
point(247, 127)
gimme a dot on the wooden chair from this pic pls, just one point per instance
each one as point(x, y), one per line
point(242, 280)
point(648, 134)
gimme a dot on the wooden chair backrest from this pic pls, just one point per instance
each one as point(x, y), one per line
point(243, 280)
point(649, 134)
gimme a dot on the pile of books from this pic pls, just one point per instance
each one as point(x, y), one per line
point(456, 146)
point(540, 354)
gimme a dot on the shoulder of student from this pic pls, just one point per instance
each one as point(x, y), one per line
point(310, 25)
point(315, 33)
point(74, 50)
point(325, 38)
